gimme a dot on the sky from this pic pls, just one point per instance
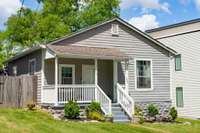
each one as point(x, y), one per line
point(143, 14)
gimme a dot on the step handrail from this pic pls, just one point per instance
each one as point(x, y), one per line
point(104, 100)
point(125, 101)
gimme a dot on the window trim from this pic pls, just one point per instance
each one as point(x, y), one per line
point(180, 63)
point(73, 72)
point(177, 98)
point(29, 61)
point(135, 63)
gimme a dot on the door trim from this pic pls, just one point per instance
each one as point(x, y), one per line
point(82, 70)
point(73, 72)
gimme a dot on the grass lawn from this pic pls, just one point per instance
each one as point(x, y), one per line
point(19, 121)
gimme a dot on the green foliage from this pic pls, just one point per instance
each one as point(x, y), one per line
point(72, 110)
point(139, 113)
point(31, 106)
point(152, 110)
point(93, 107)
point(96, 116)
point(173, 113)
point(138, 110)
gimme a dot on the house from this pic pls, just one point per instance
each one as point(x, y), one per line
point(110, 62)
point(185, 39)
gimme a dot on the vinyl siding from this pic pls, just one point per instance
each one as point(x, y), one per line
point(22, 68)
point(188, 45)
point(176, 30)
point(135, 46)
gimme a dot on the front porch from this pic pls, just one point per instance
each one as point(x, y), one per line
point(83, 80)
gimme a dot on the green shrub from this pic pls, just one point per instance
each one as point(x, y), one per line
point(173, 113)
point(152, 110)
point(139, 114)
point(96, 116)
point(93, 107)
point(72, 110)
point(31, 106)
point(141, 119)
point(138, 111)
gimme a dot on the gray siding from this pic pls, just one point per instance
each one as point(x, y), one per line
point(135, 46)
point(22, 68)
point(188, 45)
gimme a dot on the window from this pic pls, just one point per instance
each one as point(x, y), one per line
point(32, 66)
point(14, 70)
point(179, 97)
point(143, 74)
point(178, 63)
point(67, 74)
point(114, 29)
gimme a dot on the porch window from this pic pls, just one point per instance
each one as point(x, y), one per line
point(67, 74)
point(143, 74)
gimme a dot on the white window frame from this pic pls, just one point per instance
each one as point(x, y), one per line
point(32, 60)
point(73, 72)
point(135, 63)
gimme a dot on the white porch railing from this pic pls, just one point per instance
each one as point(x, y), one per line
point(80, 93)
point(104, 100)
point(125, 101)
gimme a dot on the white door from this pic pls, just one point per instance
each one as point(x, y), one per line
point(88, 74)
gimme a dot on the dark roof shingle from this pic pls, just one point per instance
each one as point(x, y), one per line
point(93, 52)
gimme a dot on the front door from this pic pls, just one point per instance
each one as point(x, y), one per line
point(88, 74)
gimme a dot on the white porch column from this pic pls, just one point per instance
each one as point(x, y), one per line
point(56, 80)
point(126, 77)
point(96, 71)
point(115, 79)
point(96, 76)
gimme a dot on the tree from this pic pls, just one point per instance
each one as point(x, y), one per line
point(56, 19)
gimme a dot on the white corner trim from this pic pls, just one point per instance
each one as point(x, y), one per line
point(135, 70)
point(73, 71)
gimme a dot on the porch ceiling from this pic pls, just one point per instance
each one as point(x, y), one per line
point(88, 52)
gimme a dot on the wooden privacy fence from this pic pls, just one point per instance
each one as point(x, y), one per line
point(17, 92)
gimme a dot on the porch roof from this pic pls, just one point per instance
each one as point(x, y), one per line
point(88, 52)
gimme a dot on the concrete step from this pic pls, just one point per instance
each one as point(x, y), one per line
point(118, 114)
point(121, 120)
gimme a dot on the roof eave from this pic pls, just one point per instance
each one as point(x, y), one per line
point(25, 52)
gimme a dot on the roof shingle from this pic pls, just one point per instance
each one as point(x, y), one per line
point(92, 52)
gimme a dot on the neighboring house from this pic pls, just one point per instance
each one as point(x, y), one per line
point(109, 62)
point(185, 39)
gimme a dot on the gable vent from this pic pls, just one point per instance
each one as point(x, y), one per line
point(115, 29)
